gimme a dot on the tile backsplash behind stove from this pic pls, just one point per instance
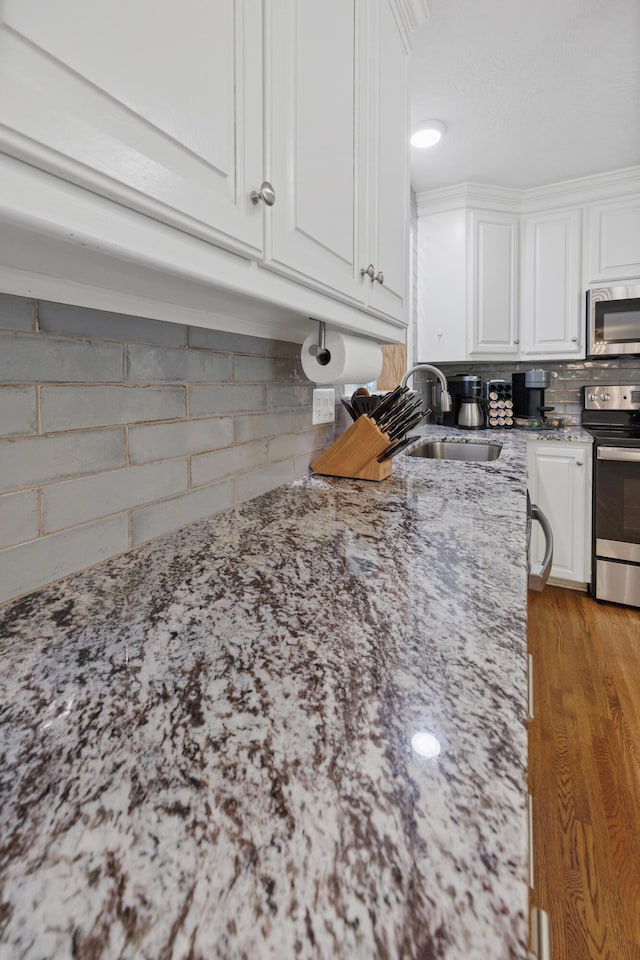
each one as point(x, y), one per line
point(568, 377)
point(116, 429)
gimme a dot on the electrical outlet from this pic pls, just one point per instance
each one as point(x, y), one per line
point(324, 405)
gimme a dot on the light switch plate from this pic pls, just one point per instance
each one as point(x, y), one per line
point(324, 405)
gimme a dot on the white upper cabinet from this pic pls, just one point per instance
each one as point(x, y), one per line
point(337, 150)
point(174, 137)
point(311, 230)
point(442, 287)
point(91, 95)
point(493, 285)
point(552, 299)
point(613, 241)
point(385, 163)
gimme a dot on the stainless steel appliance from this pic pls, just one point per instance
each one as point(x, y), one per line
point(467, 404)
point(498, 403)
point(613, 320)
point(528, 394)
point(612, 416)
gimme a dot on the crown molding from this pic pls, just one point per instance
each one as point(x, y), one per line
point(409, 15)
point(481, 196)
point(581, 191)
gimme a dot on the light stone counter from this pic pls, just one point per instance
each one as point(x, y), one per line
point(207, 744)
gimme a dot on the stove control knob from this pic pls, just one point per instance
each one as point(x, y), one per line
point(605, 397)
point(593, 396)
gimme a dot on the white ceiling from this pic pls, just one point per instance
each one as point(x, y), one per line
point(531, 91)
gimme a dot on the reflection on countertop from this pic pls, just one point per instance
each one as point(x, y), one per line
point(211, 746)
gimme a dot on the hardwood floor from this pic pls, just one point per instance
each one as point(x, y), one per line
point(584, 773)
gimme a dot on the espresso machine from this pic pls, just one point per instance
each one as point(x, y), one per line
point(528, 394)
point(467, 409)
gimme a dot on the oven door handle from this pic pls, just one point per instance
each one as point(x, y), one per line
point(619, 453)
point(538, 580)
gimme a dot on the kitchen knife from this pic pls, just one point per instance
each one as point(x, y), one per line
point(406, 425)
point(403, 412)
point(396, 448)
point(394, 412)
point(388, 402)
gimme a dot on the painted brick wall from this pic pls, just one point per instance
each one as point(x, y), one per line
point(115, 430)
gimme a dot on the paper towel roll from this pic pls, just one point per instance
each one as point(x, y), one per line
point(352, 359)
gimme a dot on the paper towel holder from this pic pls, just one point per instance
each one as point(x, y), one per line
point(319, 349)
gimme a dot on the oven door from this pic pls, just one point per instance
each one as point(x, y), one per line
point(617, 524)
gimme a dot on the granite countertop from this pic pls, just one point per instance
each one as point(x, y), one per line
point(207, 744)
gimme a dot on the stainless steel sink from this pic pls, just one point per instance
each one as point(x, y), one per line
point(456, 450)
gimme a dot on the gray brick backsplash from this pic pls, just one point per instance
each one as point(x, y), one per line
point(167, 515)
point(302, 419)
point(206, 467)
point(102, 325)
point(28, 358)
point(115, 430)
point(285, 350)
point(211, 399)
point(261, 481)
point(70, 408)
point(147, 364)
point(31, 565)
point(290, 396)
point(19, 517)
point(226, 342)
point(16, 313)
point(17, 411)
point(261, 369)
point(34, 460)
point(303, 462)
point(263, 425)
point(76, 501)
point(178, 439)
point(291, 445)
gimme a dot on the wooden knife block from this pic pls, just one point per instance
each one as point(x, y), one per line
point(355, 453)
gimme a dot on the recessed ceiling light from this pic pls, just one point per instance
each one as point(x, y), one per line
point(427, 134)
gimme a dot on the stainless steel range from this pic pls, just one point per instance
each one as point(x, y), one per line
point(612, 416)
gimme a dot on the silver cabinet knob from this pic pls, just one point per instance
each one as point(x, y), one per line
point(369, 271)
point(574, 339)
point(380, 277)
point(579, 463)
point(516, 342)
point(266, 193)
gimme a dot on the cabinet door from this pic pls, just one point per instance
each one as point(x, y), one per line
point(384, 139)
point(493, 285)
point(441, 280)
point(155, 105)
point(311, 154)
point(552, 301)
point(560, 483)
point(614, 240)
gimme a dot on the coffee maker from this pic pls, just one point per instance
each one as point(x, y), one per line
point(467, 406)
point(528, 394)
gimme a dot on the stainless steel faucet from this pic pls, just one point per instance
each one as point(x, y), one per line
point(445, 396)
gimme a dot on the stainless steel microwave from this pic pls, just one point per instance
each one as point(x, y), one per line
point(613, 320)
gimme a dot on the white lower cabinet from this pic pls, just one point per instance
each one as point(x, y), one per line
point(559, 480)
